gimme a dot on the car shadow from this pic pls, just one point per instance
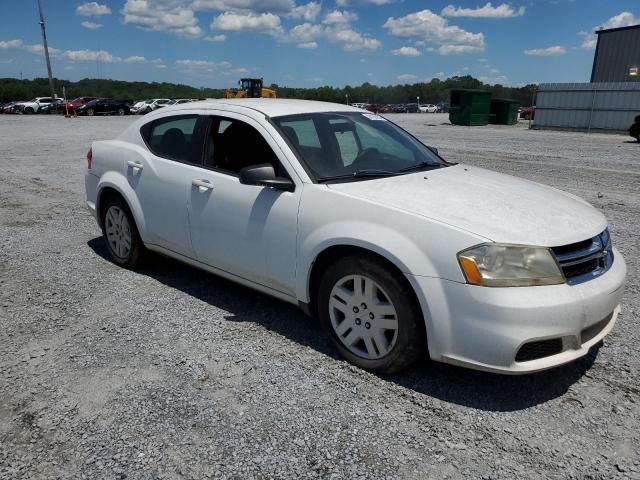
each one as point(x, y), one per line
point(461, 386)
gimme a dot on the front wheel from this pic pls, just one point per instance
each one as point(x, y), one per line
point(120, 233)
point(121, 112)
point(91, 112)
point(371, 315)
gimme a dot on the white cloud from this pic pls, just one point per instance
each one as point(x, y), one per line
point(488, 11)
point(307, 12)
point(350, 3)
point(306, 32)
point(428, 26)
point(91, 25)
point(407, 52)
point(459, 49)
point(351, 40)
point(339, 17)
point(554, 51)
point(307, 45)
point(90, 55)
point(11, 44)
point(215, 38)
point(208, 69)
point(142, 60)
point(313, 80)
point(279, 7)
point(39, 49)
point(267, 23)
point(623, 19)
point(407, 77)
point(163, 16)
point(92, 9)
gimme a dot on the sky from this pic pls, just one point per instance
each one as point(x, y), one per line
point(301, 43)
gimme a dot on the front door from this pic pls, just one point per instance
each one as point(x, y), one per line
point(246, 230)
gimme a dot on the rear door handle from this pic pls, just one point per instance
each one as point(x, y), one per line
point(135, 165)
point(203, 185)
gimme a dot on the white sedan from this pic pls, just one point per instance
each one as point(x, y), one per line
point(428, 108)
point(397, 251)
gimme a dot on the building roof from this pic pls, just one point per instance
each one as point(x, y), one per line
point(618, 29)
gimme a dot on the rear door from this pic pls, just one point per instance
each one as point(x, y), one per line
point(162, 179)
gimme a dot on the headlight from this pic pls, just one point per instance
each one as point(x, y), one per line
point(497, 265)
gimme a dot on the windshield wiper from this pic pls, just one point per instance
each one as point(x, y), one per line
point(369, 172)
point(422, 166)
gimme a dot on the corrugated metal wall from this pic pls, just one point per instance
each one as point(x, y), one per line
point(618, 50)
point(587, 106)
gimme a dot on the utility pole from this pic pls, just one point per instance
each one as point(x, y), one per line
point(46, 50)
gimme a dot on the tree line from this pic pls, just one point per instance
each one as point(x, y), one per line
point(434, 91)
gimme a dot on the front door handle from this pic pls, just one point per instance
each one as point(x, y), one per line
point(135, 165)
point(203, 185)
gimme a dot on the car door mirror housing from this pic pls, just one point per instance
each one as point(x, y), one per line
point(264, 175)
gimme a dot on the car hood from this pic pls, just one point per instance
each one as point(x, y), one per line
point(492, 205)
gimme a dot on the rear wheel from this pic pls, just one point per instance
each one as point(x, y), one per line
point(91, 112)
point(120, 233)
point(121, 111)
point(28, 110)
point(371, 315)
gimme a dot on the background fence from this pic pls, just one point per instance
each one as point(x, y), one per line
point(587, 106)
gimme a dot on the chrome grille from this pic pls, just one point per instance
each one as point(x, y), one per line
point(586, 260)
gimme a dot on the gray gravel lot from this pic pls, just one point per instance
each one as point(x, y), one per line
point(169, 372)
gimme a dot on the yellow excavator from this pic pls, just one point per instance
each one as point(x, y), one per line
point(250, 88)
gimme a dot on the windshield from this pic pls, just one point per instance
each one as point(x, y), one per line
point(353, 144)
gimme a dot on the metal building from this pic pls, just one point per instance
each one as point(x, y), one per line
point(617, 57)
point(587, 107)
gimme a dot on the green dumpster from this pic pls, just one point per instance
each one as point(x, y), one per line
point(469, 107)
point(504, 111)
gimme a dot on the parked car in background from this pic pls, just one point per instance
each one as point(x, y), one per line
point(385, 109)
point(104, 106)
point(310, 202)
point(443, 107)
point(180, 101)
point(634, 130)
point(150, 105)
point(9, 107)
point(32, 106)
point(53, 107)
point(527, 113)
point(428, 108)
point(75, 103)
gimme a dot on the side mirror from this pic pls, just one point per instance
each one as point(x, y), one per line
point(264, 176)
point(433, 149)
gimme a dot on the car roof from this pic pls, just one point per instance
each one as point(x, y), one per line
point(273, 107)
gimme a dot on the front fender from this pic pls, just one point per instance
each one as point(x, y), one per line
point(384, 241)
point(118, 182)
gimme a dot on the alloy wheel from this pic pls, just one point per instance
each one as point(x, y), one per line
point(363, 317)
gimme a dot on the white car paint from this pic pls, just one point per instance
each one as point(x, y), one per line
point(428, 108)
point(269, 239)
point(32, 106)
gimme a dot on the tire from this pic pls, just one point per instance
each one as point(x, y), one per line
point(121, 112)
point(28, 110)
point(118, 224)
point(401, 338)
point(91, 112)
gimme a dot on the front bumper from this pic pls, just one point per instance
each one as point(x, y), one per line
point(484, 328)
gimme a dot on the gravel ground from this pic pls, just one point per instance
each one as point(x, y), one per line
point(169, 372)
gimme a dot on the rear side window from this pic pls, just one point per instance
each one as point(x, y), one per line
point(176, 138)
